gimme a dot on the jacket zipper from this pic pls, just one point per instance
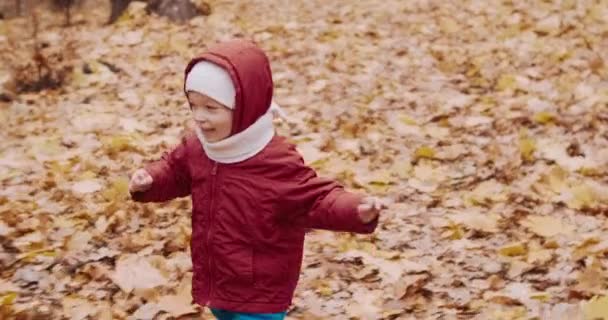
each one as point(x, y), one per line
point(212, 196)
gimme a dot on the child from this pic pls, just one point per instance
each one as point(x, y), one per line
point(252, 195)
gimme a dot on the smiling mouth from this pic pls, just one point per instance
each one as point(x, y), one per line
point(203, 128)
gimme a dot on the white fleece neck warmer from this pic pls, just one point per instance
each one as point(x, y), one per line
point(211, 80)
point(245, 144)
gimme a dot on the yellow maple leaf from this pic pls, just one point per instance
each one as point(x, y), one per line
point(8, 298)
point(582, 196)
point(424, 152)
point(544, 117)
point(348, 244)
point(516, 313)
point(541, 296)
point(325, 291)
point(596, 308)
point(135, 11)
point(513, 249)
point(87, 175)
point(30, 256)
point(454, 231)
point(589, 172)
point(117, 144)
point(557, 179)
point(585, 248)
point(506, 82)
point(119, 190)
point(527, 147)
point(407, 120)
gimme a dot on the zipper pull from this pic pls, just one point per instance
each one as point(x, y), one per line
point(214, 169)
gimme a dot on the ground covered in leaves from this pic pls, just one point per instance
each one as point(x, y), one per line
point(485, 123)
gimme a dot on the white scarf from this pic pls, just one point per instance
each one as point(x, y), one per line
point(245, 144)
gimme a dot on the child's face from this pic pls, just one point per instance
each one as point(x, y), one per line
point(213, 118)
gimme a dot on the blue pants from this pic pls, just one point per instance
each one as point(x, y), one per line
point(229, 315)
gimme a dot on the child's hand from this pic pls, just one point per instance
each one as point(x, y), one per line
point(370, 208)
point(140, 181)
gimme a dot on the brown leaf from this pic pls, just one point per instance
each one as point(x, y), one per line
point(134, 272)
point(410, 284)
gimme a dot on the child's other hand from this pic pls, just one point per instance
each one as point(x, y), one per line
point(370, 208)
point(140, 181)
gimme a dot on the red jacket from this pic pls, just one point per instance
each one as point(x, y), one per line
point(249, 218)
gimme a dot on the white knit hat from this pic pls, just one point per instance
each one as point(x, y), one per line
point(213, 81)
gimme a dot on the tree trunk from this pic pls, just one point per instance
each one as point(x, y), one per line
point(18, 7)
point(118, 7)
point(176, 10)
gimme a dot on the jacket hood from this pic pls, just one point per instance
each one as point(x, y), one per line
point(249, 69)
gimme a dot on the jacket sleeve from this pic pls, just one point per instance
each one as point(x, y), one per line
point(170, 174)
point(309, 201)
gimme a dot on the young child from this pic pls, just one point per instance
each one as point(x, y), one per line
point(253, 198)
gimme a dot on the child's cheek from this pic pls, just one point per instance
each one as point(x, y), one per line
point(198, 114)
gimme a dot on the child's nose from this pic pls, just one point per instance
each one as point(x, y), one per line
point(200, 123)
point(199, 116)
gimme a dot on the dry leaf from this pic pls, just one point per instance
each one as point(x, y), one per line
point(477, 221)
point(513, 249)
point(134, 272)
point(596, 308)
point(365, 307)
point(546, 226)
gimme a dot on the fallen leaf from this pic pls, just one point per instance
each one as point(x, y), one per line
point(7, 287)
point(181, 303)
point(424, 152)
point(513, 249)
point(487, 191)
point(596, 308)
point(550, 24)
point(409, 284)
point(527, 147)
point(5, 230)
point(544, 117)
point(87, 186)
point(134, 272)
point(146, 311)
point(79, 241)
point(547, 226)
point(128, 38)
point(365, 307)
point(117, 191)
point(477, 221)
point(8, 298)
point(506, 82)
point(78, 308)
